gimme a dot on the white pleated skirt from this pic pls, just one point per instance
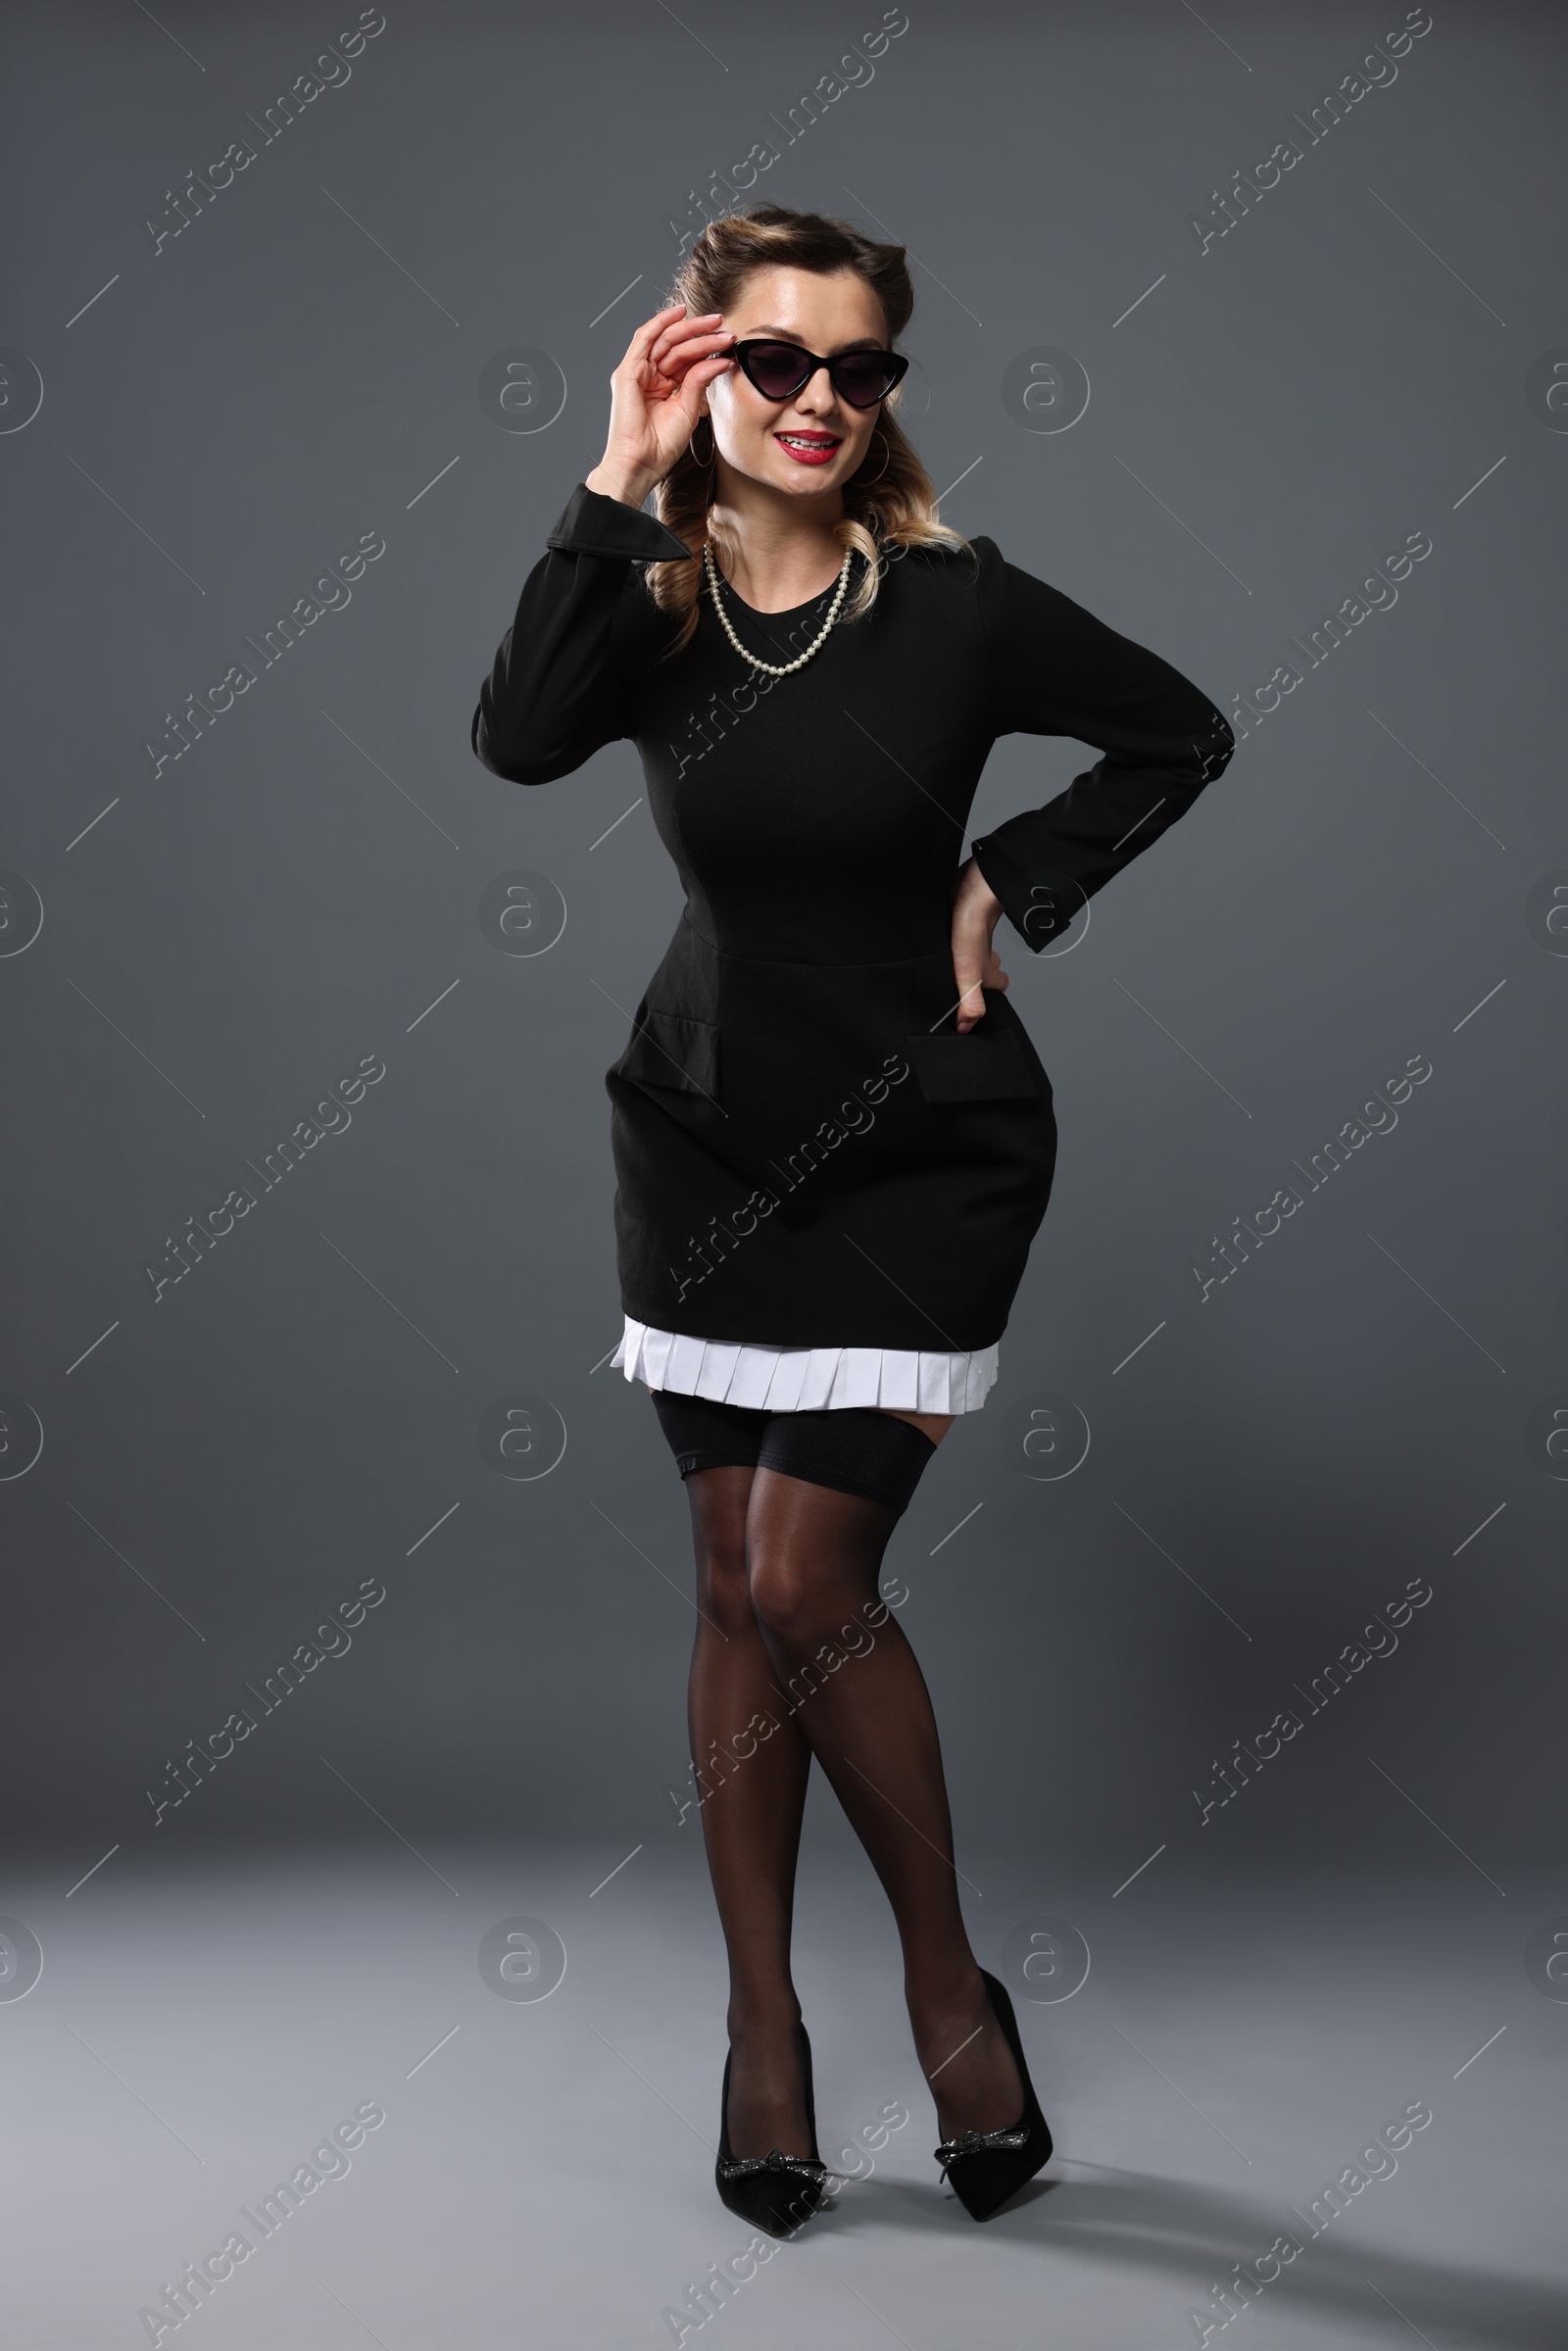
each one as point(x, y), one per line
point(806, 1379)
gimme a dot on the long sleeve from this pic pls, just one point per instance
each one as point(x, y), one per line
point(1057, 670)
point(557, 690)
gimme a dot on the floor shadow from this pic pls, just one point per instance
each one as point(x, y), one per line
point(1193, 2235)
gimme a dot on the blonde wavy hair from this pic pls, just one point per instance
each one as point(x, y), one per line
point(896, 507)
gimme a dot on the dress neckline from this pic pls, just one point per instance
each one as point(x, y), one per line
point(789, 612)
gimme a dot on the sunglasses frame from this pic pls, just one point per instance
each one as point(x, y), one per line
point(740, 352)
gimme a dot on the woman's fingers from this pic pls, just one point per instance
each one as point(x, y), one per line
point(976, 965)
point(674, 359)
point(642, 365)
point(690, 348)
point(969, 968)
point(643, 340)
point(694, 382)
point(678, 329)
point(672, 415)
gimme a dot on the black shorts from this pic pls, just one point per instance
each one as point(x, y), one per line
point(856, 1448)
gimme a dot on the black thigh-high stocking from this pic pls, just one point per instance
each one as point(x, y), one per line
point(752, 1762)
point(815, 1555)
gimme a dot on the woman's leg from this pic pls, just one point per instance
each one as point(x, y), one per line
point(752, 1762)
point(814, 1554)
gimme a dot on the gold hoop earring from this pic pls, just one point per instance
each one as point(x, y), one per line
point(887, 458)
point(697, 457)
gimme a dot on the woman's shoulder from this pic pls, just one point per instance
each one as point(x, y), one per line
point(952, 559)
point(961, 576)
point(967, 560)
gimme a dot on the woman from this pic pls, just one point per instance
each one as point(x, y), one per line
point(833, 1138)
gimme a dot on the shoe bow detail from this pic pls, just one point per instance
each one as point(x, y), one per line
point(797, 2167)
point(976, 2142)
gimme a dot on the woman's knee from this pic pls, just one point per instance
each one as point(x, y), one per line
point(780, 1595)
point(723, 1594)
point(805, 1607)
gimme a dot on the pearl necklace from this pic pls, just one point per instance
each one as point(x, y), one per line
point(711, 569)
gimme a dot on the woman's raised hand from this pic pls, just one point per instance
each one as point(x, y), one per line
point(975, 962)
point(656, 397)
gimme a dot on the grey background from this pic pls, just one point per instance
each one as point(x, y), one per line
point(1362, 1403)
point(1278, 414)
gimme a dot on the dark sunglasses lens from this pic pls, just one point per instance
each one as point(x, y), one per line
point(776, 369)
point(863, 378)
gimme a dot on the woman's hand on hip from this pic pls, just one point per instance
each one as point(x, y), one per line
point(975, 963)
point(656, 397)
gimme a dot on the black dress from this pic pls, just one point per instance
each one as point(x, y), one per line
point(807, 1151)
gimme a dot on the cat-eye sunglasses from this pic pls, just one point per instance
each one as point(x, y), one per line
point(778, 370)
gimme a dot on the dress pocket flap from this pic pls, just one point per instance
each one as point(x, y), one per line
point(969, 1069)
point(667, 1049)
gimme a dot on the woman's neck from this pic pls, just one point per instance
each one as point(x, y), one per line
point(777, 551)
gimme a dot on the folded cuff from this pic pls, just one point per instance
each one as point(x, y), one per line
point(593, 524)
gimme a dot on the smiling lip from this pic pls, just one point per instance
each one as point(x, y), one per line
point(809, 449)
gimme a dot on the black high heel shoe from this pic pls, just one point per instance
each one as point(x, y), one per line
point(775, 2191)
point(984, 2168)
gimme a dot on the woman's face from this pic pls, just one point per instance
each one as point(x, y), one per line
point(815, 441)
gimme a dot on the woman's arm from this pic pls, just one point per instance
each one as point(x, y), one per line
point(558, 688)
point(1057, 670)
